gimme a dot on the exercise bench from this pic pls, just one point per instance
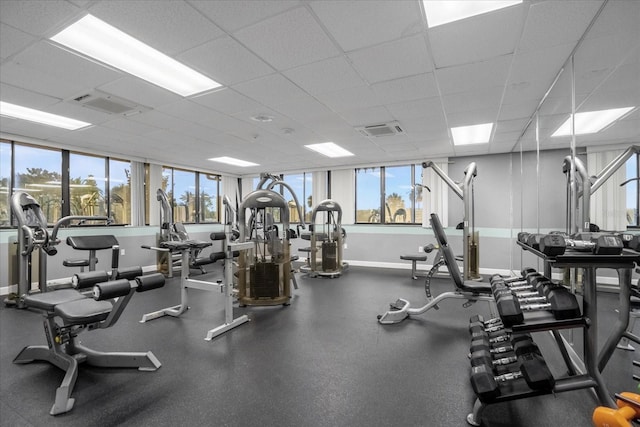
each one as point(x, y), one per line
point(468, 290)
point(67, 312)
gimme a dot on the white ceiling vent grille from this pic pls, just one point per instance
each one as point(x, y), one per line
point(383, 129)
point(110, 104)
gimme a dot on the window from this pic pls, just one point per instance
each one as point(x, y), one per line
point(38, 172)
point(120, 191)
point(194, 196)
point(368, 191)
point(393, 187)
point(398, 195)
point(87, 185)
point(5, 183)
point(209, 203)
point(631, 188)
point(302, 185)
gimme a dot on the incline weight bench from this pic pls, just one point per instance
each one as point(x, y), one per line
point(469, 290)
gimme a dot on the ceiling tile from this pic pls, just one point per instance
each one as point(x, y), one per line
point(325, 76)
point(358, 24)
point(226, 100)
point(367, 116)
point(304, 109)
point(486, 98)
point(49, 59)
point(36, 17)
point(168, 26)
point(468, 77)
point(270, 90)
point(233, 14)
point(400, 58)
point(137, 90)
point(425, 109)
point(478, 38)
point(350, 99)
point(13, 40)
point(37, 81)
point(551, 23)
point(406, 88)
point(288, 40)
point(19, 96)
point(225, 61)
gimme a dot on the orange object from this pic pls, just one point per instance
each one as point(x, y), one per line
point(621, 417)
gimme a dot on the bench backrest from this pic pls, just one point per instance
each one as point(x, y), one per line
point(446, 251)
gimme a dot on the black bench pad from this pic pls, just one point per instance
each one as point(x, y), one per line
point(48, 300)
point(80, 312)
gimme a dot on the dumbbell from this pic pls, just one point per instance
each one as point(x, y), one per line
point(557, 244)
point(484, 342)
point(520, 346)
point(562, 303)
point(532, 368)
point(628, 409)
point(477, 324)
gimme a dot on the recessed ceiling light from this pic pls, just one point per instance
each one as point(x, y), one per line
point(329, 149)
point(591, 121)
point(99, 40)
point(476, 134)
point(37, 116)
point(233, 161)
point(444, 12)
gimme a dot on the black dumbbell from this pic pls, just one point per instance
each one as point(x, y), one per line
point(562, 303)
point(506, 345)
point(522, 345)
point(532, 368)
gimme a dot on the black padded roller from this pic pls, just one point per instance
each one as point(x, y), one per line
point(113, 289)
point(150, 281)
point(218, 235)
point(88, 279)
point(129, 273)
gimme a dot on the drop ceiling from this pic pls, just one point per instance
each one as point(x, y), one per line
point(321, 70)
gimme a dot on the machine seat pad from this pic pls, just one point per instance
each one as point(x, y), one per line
point(48, 300)
point(477, 287)
point(307, 249)
point(185, 244)
point(81, 312)
point(87, 243)
point(414, 257)
point(76, 262)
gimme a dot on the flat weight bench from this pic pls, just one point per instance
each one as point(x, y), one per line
point(77, 312)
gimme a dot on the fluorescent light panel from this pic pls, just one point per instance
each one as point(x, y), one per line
point(99, 40)
point(591, 121)
point(476, 134)
point(37, 116)
point(444, 12)
point(329, 149)
point(233, 161)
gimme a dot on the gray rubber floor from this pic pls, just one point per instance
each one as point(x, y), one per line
point(322, 361)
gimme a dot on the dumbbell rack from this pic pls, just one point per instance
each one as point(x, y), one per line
point(583, 372)
point(518, 389)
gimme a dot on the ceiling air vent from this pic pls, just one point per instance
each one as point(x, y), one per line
point(384, 129)
point(110, 104)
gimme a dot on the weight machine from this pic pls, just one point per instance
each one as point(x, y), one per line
point(175, 232)
point(183, 248)
point(34, 237)
point(589, 185)
point(264, 269)
point(471, 238)
point(325, 252)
